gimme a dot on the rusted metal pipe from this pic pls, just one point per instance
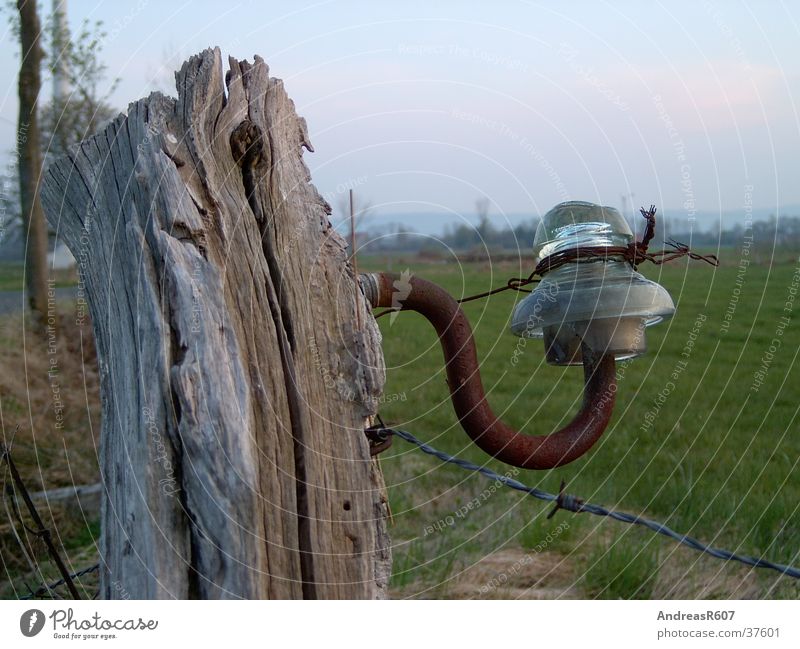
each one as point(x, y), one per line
point(466, 389)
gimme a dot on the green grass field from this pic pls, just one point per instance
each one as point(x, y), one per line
point(718, 461)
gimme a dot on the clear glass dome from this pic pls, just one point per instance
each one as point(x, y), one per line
point(577, 224)
point(602, 303)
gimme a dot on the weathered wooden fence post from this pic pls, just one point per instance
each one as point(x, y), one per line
point(236, 382)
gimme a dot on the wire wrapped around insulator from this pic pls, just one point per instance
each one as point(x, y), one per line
point(466, 389)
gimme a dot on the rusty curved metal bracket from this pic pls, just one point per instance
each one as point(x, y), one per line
point(466, 389)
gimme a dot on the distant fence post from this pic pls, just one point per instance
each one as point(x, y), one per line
point(235, 379)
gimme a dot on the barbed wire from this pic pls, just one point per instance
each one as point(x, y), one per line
point(49, 587)
point(577, 505)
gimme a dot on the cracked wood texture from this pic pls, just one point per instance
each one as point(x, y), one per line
point(236, 374)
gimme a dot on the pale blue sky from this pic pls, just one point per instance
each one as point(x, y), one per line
point(425, 106)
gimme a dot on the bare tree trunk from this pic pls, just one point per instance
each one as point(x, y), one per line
point(30, 160)
point(235, 380)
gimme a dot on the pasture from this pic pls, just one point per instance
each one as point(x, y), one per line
point(704, 438)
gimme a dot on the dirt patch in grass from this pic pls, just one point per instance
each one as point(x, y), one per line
point(510, 573)
point(517, 574)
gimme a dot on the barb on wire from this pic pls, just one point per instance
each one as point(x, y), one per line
point(566, 501)
point(571, 503)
